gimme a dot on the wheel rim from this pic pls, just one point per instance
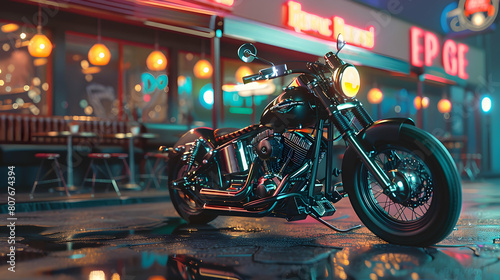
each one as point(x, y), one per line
point(186, 203)
point(418, 193)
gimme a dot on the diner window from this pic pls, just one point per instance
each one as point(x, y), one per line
point(244, 104)
point(145, 90)
point(196, 95)
point(23, 79)
point(91, 90)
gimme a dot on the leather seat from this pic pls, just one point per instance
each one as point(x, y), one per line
point(223, 135)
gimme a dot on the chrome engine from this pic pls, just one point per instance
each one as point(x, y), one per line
point(281, 153)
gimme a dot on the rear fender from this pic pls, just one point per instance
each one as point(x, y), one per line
point(381, 130)
point(188, 139)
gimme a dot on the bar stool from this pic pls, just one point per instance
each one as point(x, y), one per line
point(104, 157)
point(55, 167)
point(155, 173)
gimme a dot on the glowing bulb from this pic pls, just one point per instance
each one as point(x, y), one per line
point(40, 46)
point(156, 61)
point(203, 69)
point(99, 55)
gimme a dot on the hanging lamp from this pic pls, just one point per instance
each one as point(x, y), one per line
point(156, 60)
point(203, 68)
point(99, 54)
point(40, 45)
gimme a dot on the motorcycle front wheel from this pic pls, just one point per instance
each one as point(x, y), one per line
point(188, 208)
point(425, 206)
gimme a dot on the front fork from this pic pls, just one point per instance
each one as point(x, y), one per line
point(349, 135)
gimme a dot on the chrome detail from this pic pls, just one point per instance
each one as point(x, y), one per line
point(234, 157)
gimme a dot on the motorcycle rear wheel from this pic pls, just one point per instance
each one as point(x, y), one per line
point(186, 207)
point(429, 201)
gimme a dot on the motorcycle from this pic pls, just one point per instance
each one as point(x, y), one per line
point(401, 181)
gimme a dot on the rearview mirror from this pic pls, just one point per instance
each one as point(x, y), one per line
point(247, 52)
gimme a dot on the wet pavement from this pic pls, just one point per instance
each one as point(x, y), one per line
point(150, 241)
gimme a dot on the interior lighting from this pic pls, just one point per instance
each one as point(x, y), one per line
point(203, 69)
point(156, 61)
point(9, 27)
point(486, 104)
point(444, 106)
point(40, 45)
point(242, 72)
point(421, 103)
point(99, 54)
point(375, 96)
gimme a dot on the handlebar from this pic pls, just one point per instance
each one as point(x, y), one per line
point(268, 73)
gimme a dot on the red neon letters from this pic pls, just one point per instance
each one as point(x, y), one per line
point(424, 49)
point(328, 28)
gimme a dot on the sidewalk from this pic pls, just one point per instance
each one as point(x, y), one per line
point(56, 201)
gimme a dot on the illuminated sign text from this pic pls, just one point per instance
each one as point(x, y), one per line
point(328, 28)
point(425, 47)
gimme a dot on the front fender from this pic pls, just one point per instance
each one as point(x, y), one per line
point(381, 130)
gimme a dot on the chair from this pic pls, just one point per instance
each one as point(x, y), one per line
point(155, 173)
point(55, 167)
point(96, 169)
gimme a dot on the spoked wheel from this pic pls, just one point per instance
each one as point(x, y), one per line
point(425, 204)
point(188, 208)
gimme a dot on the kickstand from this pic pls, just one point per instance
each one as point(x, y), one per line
point(333, 227)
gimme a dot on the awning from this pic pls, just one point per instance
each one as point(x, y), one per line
point(252, 31)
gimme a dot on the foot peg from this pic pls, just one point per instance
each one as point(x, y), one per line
point(331, 226)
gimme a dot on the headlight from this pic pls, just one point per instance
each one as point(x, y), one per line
point(347, 80)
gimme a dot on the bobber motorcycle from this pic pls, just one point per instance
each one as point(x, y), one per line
point(400, 180)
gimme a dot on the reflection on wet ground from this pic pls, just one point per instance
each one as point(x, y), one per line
point(149, 241)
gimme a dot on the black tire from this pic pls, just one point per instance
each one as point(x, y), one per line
point(430, 210)
point(186, 207)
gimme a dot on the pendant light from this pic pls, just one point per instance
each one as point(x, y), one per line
point(40, 45)
point(156, 60)
point(203, 68)
point(99, 54)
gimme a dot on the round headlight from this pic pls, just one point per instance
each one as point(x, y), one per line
point(348, 80)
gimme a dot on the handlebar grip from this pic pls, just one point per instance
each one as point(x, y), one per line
point(252, 78)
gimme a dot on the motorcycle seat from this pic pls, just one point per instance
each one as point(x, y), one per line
point(223, 135)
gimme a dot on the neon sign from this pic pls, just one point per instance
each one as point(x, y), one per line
point(425, 47)
point(473, 15)
point(328, 28)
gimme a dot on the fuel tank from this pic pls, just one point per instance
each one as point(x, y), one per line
point(295, 108)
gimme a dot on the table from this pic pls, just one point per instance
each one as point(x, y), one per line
point(69, 146)
point(132, 183)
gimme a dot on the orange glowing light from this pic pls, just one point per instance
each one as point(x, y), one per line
point(9, 27)
point(40, 46)
point(420, 103)
point(242, 72)
point(99, 55)
point(375, 96)
point(156, 61)
point(444, 106)
point(203, 69)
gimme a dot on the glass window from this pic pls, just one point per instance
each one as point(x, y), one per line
point(145, 90)
point(196, 95)
point(243, 104)
point(91, 90)
point(23, 79)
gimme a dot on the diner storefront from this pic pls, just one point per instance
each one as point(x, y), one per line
point(200, 81)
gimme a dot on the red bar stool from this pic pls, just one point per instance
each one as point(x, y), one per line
point(55, 167)
point(104, 157)
point(156, 172)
